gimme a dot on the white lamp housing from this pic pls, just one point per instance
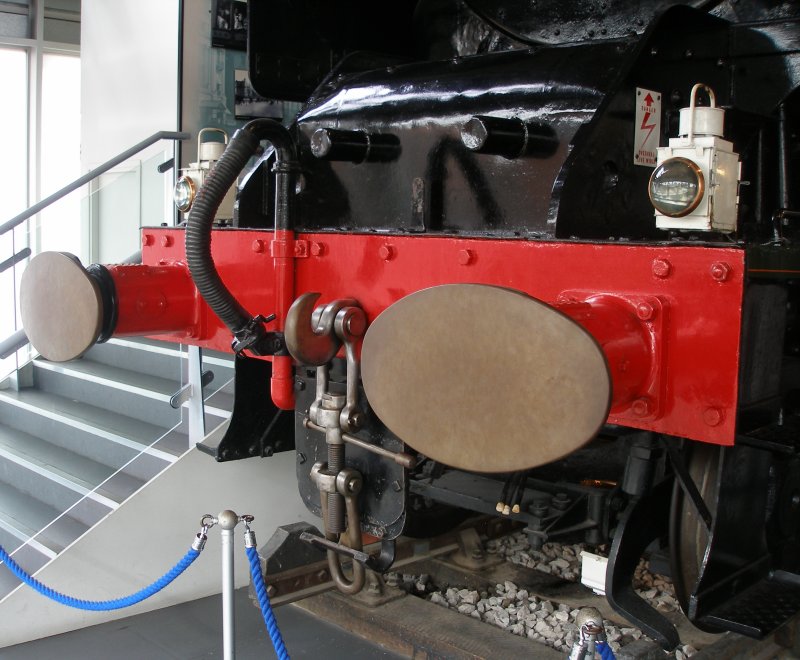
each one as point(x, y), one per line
point(695, 184)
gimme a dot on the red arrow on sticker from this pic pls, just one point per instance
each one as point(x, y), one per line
point(646, 124)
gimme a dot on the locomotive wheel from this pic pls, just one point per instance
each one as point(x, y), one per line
point(688, 537)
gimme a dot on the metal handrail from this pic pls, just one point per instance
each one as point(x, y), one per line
point(97, 171)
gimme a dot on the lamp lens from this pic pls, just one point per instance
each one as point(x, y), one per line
point(676, 187)
point(184, 194)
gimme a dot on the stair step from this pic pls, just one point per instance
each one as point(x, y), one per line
point(158, 358)
point(28, 558)
point(124, 392)
point(134, 382)
point(24, 516)
point(120, 430)
point(139, 354)
point(66, 468)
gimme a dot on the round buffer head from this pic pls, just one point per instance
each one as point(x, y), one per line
point(61, 306)
point(485, 379)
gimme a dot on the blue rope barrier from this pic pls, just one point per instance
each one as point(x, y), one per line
point(605, 651)
point(266, 608)
point(100, 605)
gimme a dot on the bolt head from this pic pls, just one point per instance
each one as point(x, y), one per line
point(147, 240)
point(257, 246)
point(662, 268)
point(466, 257)
point(386, 252)
point(166, 241)
point(713, 416)
point(356, 324)
point(720, 271)
point(317, 249)
point(642, 407)
point(356, 419)
point(645, 311)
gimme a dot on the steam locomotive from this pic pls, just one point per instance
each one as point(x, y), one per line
point(533, 259)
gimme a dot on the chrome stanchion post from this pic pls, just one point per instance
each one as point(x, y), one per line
point(228, 520)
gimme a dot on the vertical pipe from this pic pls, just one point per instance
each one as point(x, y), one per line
point(227, 521)
point(783, 158)
point(197, 425)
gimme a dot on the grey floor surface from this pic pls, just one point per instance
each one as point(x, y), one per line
point(194, 630)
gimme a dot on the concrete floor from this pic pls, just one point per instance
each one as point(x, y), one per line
point(194, 630)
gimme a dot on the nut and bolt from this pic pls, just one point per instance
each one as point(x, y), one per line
point(147, 240)
point(386, 252)
point(257, 246)
point(720, 271)
point(317, 249)
point(561, 501)
point(662, 268)
point(166, 241)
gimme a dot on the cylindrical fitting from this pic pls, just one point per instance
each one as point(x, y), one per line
point(150, 299)
point(625, 342)
point(508, 136)
point(354, 146)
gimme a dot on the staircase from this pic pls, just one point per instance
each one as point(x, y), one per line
point(79, 438)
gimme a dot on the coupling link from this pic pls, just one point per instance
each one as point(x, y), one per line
point(249, 534)
point(206, 523)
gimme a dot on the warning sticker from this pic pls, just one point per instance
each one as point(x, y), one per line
point(648, 127)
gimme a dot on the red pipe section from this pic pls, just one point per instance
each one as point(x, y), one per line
point(282, 382)
point(154, 300)
point(624, 340)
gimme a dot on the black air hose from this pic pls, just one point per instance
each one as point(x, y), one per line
point(247, 329)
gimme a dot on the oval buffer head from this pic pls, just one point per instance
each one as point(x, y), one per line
point(485, 379)
point(61, 306)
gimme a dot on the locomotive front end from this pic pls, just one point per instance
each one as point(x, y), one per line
point(502, 269)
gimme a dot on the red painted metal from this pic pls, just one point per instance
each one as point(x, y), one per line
point(283, 249)
point(624, 340)
point(689, 316)
point(154, 299)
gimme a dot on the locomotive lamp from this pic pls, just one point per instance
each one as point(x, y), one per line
point(696, 181)
point(192, 177)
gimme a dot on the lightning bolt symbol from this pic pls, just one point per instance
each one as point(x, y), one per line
point(646, 126)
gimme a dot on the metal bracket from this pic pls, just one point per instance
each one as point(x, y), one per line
point(184, 393)
point(470, 550)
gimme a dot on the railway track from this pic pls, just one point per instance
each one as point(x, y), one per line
point(463, 596)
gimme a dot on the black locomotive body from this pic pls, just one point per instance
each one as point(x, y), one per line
point(517, 121)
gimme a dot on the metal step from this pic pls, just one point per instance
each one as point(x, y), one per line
point(104, 436)
point(23, 517)
point(162, 359)
point(30, 559)
point(760, 609)
point(58, 469)
point(130, 393)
